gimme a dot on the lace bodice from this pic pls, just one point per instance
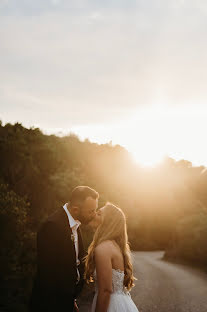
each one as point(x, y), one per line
point(120, 299)
point(117, 282)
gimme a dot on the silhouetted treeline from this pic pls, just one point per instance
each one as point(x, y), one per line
point(166, 207)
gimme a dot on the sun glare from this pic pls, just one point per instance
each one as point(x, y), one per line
point(147, 140)
point(158, 133)
point(147, 159)
point(152, 134)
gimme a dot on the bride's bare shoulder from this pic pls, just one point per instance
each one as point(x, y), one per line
point(106, 246)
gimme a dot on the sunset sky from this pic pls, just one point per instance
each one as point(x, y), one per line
point(130, 72)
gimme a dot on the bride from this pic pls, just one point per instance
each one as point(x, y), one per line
point(109, 263)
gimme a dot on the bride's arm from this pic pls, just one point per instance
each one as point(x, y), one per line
point(104, 275)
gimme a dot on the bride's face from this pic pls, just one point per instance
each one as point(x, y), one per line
point(97, 220)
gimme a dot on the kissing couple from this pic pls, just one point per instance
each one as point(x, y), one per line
point(62, 267)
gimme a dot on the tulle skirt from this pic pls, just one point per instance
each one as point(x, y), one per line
point(119, 302)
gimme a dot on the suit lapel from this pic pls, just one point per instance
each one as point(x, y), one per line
point(68, 236)
point(80, 244)
point(81, 253)
point(69, 242)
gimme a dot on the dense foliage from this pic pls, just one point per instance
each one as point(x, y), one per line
point(17, 252)
point(166, 207)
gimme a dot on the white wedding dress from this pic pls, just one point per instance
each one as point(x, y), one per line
point(120, 299)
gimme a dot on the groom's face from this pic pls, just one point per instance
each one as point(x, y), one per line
point(94, 224)
point(87, 210)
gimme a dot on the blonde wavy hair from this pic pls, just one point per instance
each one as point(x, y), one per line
point(113, 227)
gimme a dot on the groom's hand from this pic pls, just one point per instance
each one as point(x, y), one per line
point(75, 306)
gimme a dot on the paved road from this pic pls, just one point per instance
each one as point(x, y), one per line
point(167, 287)
point(163, 286)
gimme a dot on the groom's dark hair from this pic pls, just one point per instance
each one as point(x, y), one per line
point(80, 193)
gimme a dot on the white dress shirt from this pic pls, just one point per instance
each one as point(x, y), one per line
point(74, 224)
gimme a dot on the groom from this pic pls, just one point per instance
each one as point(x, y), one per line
point(59, 253)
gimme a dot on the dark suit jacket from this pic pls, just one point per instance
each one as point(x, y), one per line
point(55, 285)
